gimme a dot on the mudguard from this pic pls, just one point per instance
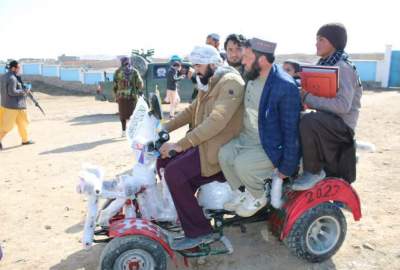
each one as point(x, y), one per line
point(136, 226)
point(298, 202)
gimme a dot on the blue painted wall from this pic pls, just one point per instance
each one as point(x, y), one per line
point(394, 75)
point(71, 74)
point(93, 77)
point(366, 69)
point(51, 71)
point(2, 69)
point(110, 76)
point(32, 69)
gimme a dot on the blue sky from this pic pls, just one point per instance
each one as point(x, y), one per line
point(48, 28)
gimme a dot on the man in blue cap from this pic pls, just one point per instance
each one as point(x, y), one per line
point(173, 77)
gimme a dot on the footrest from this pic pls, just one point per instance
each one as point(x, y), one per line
point(102, 231)
point(219, 212)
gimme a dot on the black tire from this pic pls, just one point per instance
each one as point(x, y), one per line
point(118, 248)
point(301, 239)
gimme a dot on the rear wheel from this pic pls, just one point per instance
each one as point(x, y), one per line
point(133, 253)
point(318, 234)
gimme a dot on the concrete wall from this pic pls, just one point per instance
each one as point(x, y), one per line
point(93, 77)
point(386, 66)
point(366, 69)
point(379, 71)
point(51, 71)
point(32, 68)
point(71, 74)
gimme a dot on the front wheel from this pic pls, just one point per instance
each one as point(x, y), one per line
point(133, 252)
point(318, 234)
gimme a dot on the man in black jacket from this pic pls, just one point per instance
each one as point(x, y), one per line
point(13, 104)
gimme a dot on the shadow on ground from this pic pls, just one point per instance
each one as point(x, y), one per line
point(91, 119)
point(79, 147)
point(75, 228)
point(257, 249)
point(83, 259)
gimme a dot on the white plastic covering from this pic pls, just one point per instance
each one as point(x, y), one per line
point(154, 199)
point(214, 195)
point(130, 210)
point(169, 210)
point(142, 128)
point(365, 146)
point(112, 209)
point(90, 222)
point(91, 178)
point(156, 203)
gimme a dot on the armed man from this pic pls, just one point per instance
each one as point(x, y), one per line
point(127, 86)
point(13, 104)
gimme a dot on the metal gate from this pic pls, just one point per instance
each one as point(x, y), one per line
point(394, 75)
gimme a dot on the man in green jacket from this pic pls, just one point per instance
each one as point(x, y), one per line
point(127, 85)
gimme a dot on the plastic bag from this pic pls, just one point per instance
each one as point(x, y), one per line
point(169, 211)
point(214, 195)
point(149, 203)
point(142, 128)
point(111, 210)
point(90, 179)
point(156, 203)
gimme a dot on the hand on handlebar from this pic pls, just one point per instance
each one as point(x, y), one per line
point(167, 149)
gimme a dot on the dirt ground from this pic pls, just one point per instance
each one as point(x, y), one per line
point(41, 215)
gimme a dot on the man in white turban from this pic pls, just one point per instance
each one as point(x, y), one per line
point(216, 117)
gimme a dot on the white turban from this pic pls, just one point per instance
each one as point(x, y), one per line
point(205, 54)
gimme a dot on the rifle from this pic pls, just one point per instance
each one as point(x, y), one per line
point(35, 102)
point(29, 94)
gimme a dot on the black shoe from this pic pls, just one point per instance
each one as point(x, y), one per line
point(188, 243)
point(28, 143)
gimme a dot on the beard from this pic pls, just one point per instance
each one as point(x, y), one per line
point(253, 73)
point(234, 64)
point(206, 77)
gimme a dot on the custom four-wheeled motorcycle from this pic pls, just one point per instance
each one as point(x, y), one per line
point(139, 222)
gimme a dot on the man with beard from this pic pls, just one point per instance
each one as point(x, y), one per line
point(234, 51)
point(127, 84)
point(268, 145)
point(216, 117)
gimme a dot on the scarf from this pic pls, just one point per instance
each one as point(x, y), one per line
point(333, 59)
point(336, 57)
point(201, 86)
point(126, 67)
